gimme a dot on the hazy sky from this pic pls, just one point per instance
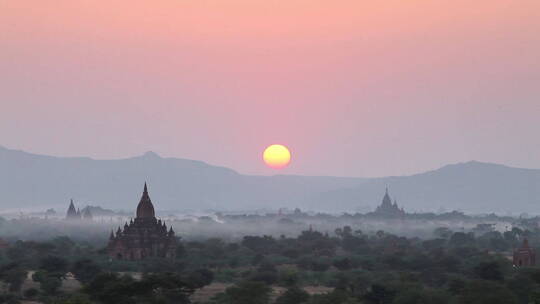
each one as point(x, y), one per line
point(354, 88)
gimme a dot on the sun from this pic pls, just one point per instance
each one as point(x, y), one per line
point(277, 156)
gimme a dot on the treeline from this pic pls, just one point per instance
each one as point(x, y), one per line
point(368, 268)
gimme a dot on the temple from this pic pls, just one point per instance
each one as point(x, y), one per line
point(389, 209)
point(143, 237)
point(86, 214)
point(76, 214)
point(72, 214)
point(3, 244)
point(524, 256)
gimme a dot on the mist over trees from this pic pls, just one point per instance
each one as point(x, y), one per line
point(344, 266)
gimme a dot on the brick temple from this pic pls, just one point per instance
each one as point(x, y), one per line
point(144, 237)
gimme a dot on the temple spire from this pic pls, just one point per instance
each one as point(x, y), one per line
point(386, 199)
point(144, 236)
point(145, 209)
point(71, 212)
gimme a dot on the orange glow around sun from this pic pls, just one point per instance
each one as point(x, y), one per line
point(277, 156)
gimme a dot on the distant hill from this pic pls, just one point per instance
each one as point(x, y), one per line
point(471, 187)
point(29, 180)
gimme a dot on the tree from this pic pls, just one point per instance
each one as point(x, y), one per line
point(489, 271)
point(109, 288)
point(214, 248)
point(522, 285)
point(335, 297)
point(51, 271)
point(456, 286)
point(380, 294)
point(493, 240)
point(355, 284)
point(346, 231)
point(310, 263)
point(293, 295)
point(54, 264)
point(73, 299)
point(261, 245)
point(49, 283)
point(13, 275)
point(353, 243)
point(9, 299)
point(18, 251)
point(164, 288)
point(420, 296)
point(31, 293)
point(85, 270)
point(449, 263)
point(487, 292)
point(248, 292)
point(266, 276)
point(63, 245)
point(461, 239)
point(433, 244)
point(200, 278)
point(343, 264)
point(442, 232)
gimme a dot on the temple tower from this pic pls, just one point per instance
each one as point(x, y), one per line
point(72, 213)
point(524, 256)
point(146, 236)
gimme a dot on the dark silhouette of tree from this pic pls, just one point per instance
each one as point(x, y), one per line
point(200, 278)
point(109, 288)
point(85, 270)
point(51, 271)
point(489, 271)
point(48, 282)
point(261, 245)
point(9, 299)
point(380, 294)
point(420, 296)
point(343, 264)
point(13, 275)
point(247, 292)
point(461, 239)
point(486, 292)
point(335, 297)
point(293, 295)
point(456, 286)
point(442, 232)
point(54, 264)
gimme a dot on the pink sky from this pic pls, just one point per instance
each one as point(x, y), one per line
point(354, 88)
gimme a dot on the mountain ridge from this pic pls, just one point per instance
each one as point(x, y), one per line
point(40, 180)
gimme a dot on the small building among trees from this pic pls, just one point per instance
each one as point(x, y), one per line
point(389, 209)
point(524, 256)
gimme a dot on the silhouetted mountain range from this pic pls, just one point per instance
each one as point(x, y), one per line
point(29, 180)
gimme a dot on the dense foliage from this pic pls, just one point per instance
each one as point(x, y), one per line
point(470, 267)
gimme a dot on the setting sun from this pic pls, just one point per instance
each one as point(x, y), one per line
point(277, 156)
